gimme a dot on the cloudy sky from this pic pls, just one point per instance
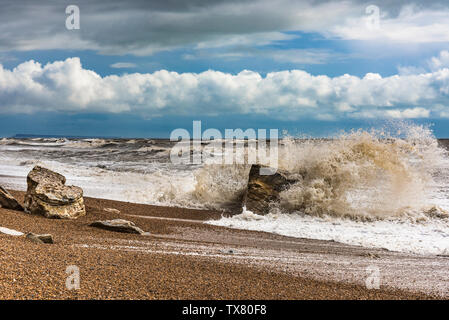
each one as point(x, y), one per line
point(144, 68)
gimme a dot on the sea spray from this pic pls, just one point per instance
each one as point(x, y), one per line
point(362, 174)
point(367, 175)
point(221, 186)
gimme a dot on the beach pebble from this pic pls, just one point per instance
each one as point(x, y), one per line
point(118, 225)
point(40, 238)
point(111, 210)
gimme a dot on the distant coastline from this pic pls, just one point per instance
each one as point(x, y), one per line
point(445, 140)
point(56, 136)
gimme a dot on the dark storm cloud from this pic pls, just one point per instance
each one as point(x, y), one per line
point(141, 27)
point(144, 27)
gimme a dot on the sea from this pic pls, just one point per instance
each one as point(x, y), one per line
point(380, 188)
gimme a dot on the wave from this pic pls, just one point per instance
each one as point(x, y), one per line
point(394, 171)
point(88, 143)
point(35, 142)
point(362, 175)
point(386, 188)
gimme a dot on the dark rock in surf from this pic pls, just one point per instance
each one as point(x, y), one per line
point(118, 225)
point(263, 190)
point(48, 195)
point(7, 201)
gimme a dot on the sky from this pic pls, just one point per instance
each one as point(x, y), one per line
point(145, 68)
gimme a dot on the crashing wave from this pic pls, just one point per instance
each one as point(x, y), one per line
point(362, 174)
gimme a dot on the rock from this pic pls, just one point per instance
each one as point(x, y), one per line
point(48, 195)
point(40, 175)
point(263, 190)
point(118, 225)
point(7, 201)
point(111, 210)
point(40, 238)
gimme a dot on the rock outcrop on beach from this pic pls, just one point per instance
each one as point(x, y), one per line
point(7, 201)
point(118, 225)
point(48, 195)
point(263, 190)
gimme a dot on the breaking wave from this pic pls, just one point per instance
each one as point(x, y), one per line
point(362, 174)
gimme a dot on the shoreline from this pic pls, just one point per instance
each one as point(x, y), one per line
point(183, 258)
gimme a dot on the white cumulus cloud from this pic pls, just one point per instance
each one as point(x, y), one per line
point(442, 61)
point(408, 113)
point(65, 86)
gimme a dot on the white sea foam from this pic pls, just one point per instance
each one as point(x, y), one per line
point(86, 143)
point(430, 237)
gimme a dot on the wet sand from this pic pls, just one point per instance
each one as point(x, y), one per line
point(184, 258)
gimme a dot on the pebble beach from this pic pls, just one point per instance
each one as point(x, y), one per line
point(184, 258)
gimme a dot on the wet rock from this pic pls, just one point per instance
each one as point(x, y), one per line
point(48, 195)
point(40, 238)
point(118, 225)
point(7, 201)
point(263, 190)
